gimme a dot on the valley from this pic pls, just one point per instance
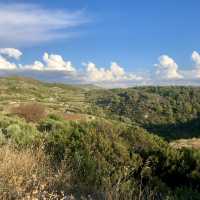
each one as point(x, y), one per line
point(84, 142)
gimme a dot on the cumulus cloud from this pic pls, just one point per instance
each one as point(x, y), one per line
point(37, 65)
point(55, 68)
point(167, 68)
point(11, 52)
point(196, 59)
point(56, 62)
point(27, 24)
point(51, 62)
point(115, 73)
point(6, 65)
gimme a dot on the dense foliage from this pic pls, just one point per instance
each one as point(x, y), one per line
point(172, 112)
point(107, 159)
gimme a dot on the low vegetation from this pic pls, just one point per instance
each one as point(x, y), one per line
point(108, 151)
point(31, 112)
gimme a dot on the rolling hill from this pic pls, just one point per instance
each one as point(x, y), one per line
point(82, 142)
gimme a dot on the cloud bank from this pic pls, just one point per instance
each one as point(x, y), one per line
point(53, 67)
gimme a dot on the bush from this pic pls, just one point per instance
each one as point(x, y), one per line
point(31, 112)
point(23, 134)
point(18, 132)
point(57, 134)
point(106, 159)
point(109, 158)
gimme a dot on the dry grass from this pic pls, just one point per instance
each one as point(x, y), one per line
point(31, 112)
point(74, 117)
point(193, 143)
point(28, 175)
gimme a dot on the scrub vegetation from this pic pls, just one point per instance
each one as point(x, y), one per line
point(83, 142)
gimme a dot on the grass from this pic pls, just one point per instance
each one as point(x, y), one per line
point(193, 143)
point(27, 174)
point(57, 97)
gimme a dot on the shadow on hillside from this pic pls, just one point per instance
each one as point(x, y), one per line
point(178, 130)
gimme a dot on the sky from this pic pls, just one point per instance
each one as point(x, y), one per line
point(111, 43)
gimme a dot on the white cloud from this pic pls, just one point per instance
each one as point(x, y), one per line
point(56, 62)
point(167, 68)
point(52, 62)
point(6, 65)
point(55, 68)
point(53, 65)
point(196, 58)
point(28, 24)
point(37, 65)
point(114, 74)
point(11, 52)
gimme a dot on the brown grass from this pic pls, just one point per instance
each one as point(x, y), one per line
point(193, 143)
point(28, 175)
point(31, 112)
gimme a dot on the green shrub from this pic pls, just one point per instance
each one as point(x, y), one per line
point(18, 132)
point(56, 135)
point(22, 134)
point(110, 159)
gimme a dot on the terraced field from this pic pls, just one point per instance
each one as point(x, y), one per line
point(55, 97)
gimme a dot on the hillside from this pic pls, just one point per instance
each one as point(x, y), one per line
point(172, 112)
point(58, 97)
point(81, 142)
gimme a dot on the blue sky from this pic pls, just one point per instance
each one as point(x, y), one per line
point(134, 34)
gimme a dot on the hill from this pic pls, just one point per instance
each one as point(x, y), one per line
point(54, 96)
point(81, 142)
point(172, 112)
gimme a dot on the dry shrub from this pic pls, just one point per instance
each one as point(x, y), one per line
point(28, 175)
point(31, 112)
